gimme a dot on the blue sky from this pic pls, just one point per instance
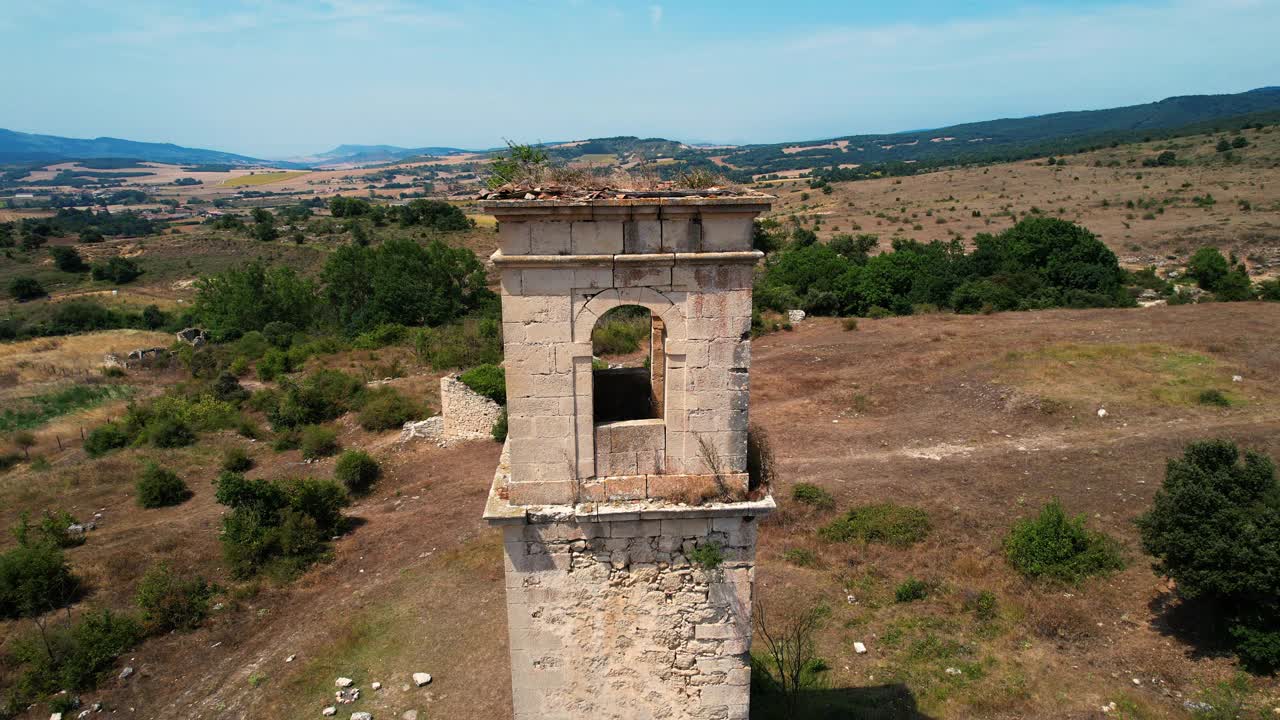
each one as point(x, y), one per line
point(274, 78)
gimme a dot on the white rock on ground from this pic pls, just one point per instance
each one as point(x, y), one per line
point(361, 716)
point(859, 648)
point(421, 679)
point(329, 711)
point(343, 682)
point(125, 673)
point(376, 686)
point(409, 715)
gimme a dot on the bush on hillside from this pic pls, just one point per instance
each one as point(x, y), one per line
point(53, 528)
point(1214, 527)
point(158, 487)
point(385, 408)
point(170, 601)
point(167, 432)
point(884, 523)
point(487, 380)
point(318, 441)
point(1053, 545)
point(34, 578)
point(284, 523)
point(236, 460)
point(357, 471)
point(118, 270)
point(319, 397)
point(67, 259)
point(812, 495)
point(26, 288)
point(462, 344)
point(104, 439)
point(73, 657)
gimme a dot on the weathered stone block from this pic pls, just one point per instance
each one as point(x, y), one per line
point(627, 487)
point(550, 238)
point(596, 237)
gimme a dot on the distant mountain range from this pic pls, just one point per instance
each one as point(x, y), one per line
point(990, 140)
point(372, 154)
point(26, 147)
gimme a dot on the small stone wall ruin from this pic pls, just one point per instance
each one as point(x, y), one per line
point(467, 414)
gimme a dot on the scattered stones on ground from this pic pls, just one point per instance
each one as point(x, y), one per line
point(347, 696)
point(795, 316)
point(192, 336)
point(1102, 412)
point(953, 671)
point(420, 679)
point(290, 658)
point(1237, 378)
point(431, 429)
point(859, 648)
point(125, 673)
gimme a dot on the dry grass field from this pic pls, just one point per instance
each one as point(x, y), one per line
point(1094, 189)
point(978, 420)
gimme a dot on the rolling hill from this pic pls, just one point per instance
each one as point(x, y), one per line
point(28, 147)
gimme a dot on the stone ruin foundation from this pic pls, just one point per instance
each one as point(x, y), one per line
point(628, 520)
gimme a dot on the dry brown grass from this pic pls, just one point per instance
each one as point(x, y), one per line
point(45, 359)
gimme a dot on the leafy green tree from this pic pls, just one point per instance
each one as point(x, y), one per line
point(402, 282)
point(1214, 527)
point(238, 300)
point(1223, 146)
point(1208, 267)
point(1239, 142)
point(118, 270)
point(435, 214)
point(23, 288)
point(346, 207)
point(66, 259)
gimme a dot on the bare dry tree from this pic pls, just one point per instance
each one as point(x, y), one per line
point(789, 642)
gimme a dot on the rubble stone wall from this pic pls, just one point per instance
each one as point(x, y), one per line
point(467, 415)
point(611, 620)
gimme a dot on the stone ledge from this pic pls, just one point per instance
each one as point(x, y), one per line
point(498, 511)
point(729, 257)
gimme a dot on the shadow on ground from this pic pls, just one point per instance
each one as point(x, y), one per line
point(878, 702)
point(1192, 622)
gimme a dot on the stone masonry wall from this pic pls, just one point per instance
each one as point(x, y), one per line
point(467, 414)
point(561, 270)
point(611, 620)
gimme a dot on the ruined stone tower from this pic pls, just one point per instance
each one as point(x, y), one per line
point(623, 494)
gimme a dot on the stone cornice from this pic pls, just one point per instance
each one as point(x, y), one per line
point(743, 257)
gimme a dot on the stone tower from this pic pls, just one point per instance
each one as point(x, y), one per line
point(623, 494)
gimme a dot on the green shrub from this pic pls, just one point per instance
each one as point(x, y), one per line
point(236, 460)
point(875, 312)
point(385, 408)
point(1269, 290)
point(160, 488)
point(34, 578)
point(26, 288)
point(321, 396)
point(812, 495)
point(499, 430)
point(105, 438)
point(357, 471)
point(802, 557)
point(166, 432)
point(53, 529)
point(318, 441)
point(708, 555)
point(621, 331)
point(74, 657)
point(1055, 546)
point(983, 605)
point(381, 336)
point(465, 344)
point(118, 270)
point(487, 380)
point(849, 324)
point(285, 524)
point(911, 590)
point(278, 333)
point(1214, 527)
point(1214, 396)
point(884, 523)
point(171, 602)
